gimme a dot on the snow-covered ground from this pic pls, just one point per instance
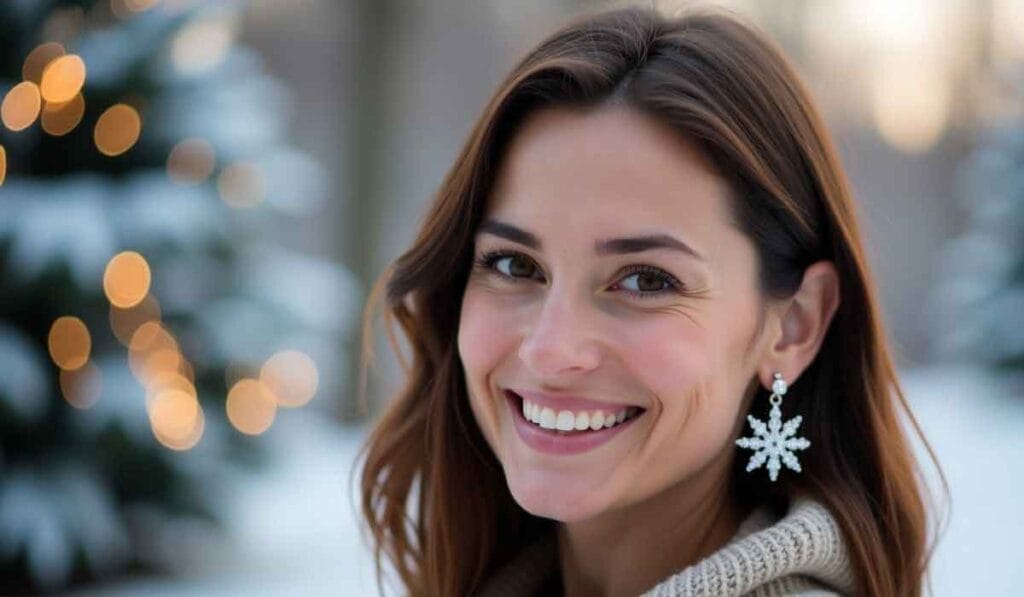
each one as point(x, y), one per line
point(975, 424)
point(293, 528)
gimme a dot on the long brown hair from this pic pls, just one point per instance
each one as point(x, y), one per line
point(434, 496)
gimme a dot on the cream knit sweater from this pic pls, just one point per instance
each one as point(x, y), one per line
point(800, 554)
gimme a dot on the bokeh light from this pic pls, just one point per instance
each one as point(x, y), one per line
point(20, 106)
point(250, 406)
point(241, 185)
point(124, 322)
point(168, 380)
point(186, 442)
point(176, 417)
point(126, 279)
point(148, 340)
point(69, 342)
point(911, 104)
point(117, 129)
point(38, 59)
point(191, 161)
point(61, 119)
point(62, 79)
point(173, 413)
point(291, 377)
point(3, 164)
point(157, 362)
point(202, 45)
point(81, 387)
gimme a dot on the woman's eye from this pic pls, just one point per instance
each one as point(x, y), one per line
point(648, 281)
point(517, 266)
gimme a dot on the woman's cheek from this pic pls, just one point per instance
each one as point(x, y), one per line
point(481, 346)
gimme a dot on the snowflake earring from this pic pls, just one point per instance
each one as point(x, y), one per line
point(773, 442)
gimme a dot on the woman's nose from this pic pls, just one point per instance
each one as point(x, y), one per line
point(560, 339)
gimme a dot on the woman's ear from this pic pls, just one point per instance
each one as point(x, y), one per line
point(804, 319)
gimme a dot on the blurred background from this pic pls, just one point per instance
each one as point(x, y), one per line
point(195, 197)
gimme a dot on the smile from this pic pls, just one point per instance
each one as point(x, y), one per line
point(567, 432)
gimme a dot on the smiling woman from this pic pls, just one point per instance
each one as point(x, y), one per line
point(647, 240)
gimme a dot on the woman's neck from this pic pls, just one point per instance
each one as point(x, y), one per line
point(626, 552)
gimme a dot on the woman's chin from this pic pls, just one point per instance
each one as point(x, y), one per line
point(560, 500)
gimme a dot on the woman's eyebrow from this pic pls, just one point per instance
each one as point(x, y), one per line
point(611, 246)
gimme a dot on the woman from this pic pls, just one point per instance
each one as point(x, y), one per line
point(647, 244)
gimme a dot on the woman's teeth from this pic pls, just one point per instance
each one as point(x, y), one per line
point(567, 420)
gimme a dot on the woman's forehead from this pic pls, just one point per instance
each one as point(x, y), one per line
point(614, 169)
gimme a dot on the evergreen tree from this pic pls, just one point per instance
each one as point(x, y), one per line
point(979, 307)
point(144, 317)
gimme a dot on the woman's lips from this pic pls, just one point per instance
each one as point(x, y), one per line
point(551, 441)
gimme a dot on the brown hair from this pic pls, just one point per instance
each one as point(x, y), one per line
point(434, 495)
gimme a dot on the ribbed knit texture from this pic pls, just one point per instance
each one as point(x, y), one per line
point(801, 554)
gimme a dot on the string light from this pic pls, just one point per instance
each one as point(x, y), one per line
point(126, 279)
point(190, 162)
point(38, 59)
point(250, 407)
point(69, 342)
point(20, 106)
point(291, 376)
point(61, 119)
point(117, 129)
point(81, 387)
point(62, 79)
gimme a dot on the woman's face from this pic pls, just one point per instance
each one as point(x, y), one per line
point(552, 315)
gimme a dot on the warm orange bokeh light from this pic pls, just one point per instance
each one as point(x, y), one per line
point(81, 387)
point(241, 185)
point(173, 413)
point(176, 417)
point(124, 322)
point(291, 376)
point(69, 342)
point(126, 279)
point(186, 442)
point(62, 79)
point(190, 162)
point(3, 164)
point(20, 106)
point(117, 129)
point(154, 363)
point(150, 338)
point(250, 407)
point(61, 119)
point(168, 380)
point(38, 59)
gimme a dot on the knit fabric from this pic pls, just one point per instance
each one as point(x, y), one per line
point(802, 554)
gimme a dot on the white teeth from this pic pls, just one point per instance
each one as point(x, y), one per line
point(566, 420)
point(547, 418)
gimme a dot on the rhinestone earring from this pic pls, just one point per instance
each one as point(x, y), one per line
point(774, 442)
